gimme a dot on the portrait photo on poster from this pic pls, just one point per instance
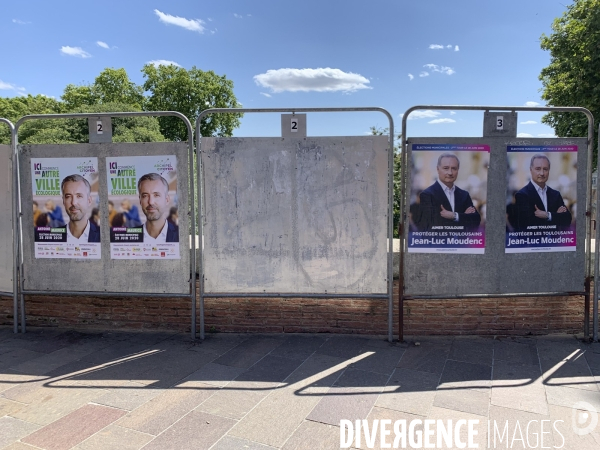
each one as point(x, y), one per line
point(541, 199)
point(143, 207)
point(66, 214)
point(448, 196)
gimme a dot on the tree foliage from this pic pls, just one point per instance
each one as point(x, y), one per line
point(573, 76)
point(166, 88)
point(190, 92)
point(375, 131)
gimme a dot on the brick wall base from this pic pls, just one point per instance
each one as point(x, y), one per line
point(501, 316)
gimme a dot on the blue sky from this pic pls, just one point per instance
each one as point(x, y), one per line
point(387, 53)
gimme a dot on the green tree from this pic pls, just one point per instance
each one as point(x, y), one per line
point(111, 86)
point(190, 92)
point(375, 131)
point(14, 108)
point(573, 76)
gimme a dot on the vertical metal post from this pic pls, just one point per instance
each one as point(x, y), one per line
point(596, 259)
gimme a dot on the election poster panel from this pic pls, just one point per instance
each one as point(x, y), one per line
point(541, 199)
point(448, 198)
point(142, 205)
point(66, 215)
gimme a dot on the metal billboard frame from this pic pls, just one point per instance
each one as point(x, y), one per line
point(192, 294)
point(588, 214)
point(390, 224)
point(15, 234)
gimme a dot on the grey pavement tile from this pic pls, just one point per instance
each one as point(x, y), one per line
point(427, 357)
point(237, 357)
point(519, 386)
point(12, 429)
point(48, 362)
point(573, 371)
point(164, 410)
point(268, 372)
point(567, 396)
point(115, 437)
point(508, 350)
point(479, 425)
point(409, 391)
point(508, 429)
point(362, 380)
point(563, 433)
point(219, 343)
point(74, 428)
point(233, 403)
point(314, 436)
point(16, 357)
point(460, 375)
point(129, 396)
point(50, 404)
point(10, 380)
point(233, 443)
point(9, 407)
point(20, 446)
point(593, 360)
point(213, 374)
point(343, 403)
point(298, 347)
point(195, 431)
point(473, 350)
point(342, 346)
point(276, 417)
point(383, 360)
point(465, 400)
point(262, 344)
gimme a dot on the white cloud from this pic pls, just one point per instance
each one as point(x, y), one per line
point(265, 94)
point(532, 104)
point(456, 49)
point(423, 114)
point(424, 74)
point(188, 24)
point(436, 47)
point(444, 120)
point(102, 44)
point(452, 113)
point(238, 16)
point(524, 135)
point(410, 76)
point(20, 22)
point(11, 87)
point(210, 19)
point(74, 51)
point(546, 135)
point(163, 62)
point(305, 80)
point(448, 46)
point(529, 122)
point(441, 69)
point(249, 15)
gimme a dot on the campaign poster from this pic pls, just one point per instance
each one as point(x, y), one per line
point(66, 216)
point(541, 198)
point(448, 198)
point(142, 207)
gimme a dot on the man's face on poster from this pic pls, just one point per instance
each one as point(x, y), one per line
point(448, 170)
point(77, 200)
point(540, 171)
point(154, 199)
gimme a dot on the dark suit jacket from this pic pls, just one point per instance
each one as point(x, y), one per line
point(94, 235)
point(172, 232)
point(434, 197)
point(527, 199)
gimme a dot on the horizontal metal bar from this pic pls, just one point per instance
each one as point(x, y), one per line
point(6, 294)
point(292, 295)
point(291, 110)
point(474, 296)
point(500, 108)
point(106, 294)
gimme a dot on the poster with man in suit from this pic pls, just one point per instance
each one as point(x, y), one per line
point(541, 198)
point(448, 196)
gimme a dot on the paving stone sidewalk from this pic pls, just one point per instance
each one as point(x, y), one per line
point(63, 389)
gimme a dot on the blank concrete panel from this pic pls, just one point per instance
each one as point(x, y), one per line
point(7, 259)
point(295, 215)
point(106, 275)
